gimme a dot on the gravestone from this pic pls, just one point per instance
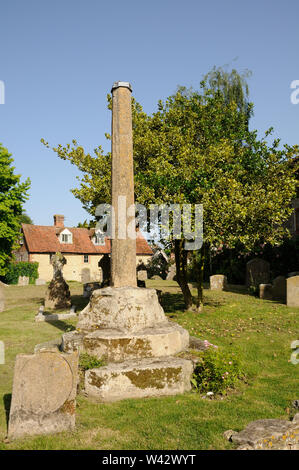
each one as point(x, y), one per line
point(124, 323)
point(280, 288)
point(58, 293)
point(40, 282)
point(266, 291)
point(142, 275)
point(23, 281)
point(44, 394)
point(293, 291)
point(257, 272)
point(171, 275)
point(218, 282)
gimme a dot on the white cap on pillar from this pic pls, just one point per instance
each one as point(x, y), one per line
point(123, 84)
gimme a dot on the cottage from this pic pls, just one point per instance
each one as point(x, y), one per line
point(83, 249)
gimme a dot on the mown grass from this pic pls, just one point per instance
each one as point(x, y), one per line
point(261, 331)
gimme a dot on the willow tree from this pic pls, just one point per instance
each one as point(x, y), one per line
point(196, 149)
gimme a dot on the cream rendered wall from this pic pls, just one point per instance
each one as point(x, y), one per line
point(75, 269)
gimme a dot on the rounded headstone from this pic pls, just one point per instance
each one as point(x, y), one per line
point(49, 382)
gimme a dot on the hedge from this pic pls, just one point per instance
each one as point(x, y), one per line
point(22, 268)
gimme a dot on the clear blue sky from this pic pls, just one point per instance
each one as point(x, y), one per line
point(59, 59)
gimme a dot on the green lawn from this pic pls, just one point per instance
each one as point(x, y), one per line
point(261, 330)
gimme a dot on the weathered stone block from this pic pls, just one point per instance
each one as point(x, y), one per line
point(293, 291)
point(137, 379)
point(124, 308)
point(218, 282)
point(44, 394)
point(269, 434)
point(115, 346)
point(72, 341)
point(266, 291)
point(40, 282)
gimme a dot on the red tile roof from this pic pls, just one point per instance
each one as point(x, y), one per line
point(43, 239)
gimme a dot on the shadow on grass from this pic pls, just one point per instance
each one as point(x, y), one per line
point(61, 325)
point(175, 302)
point(79, 301)
point(7, 403)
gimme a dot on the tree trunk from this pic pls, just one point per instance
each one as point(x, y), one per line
point(181, 273)
point(200, 261)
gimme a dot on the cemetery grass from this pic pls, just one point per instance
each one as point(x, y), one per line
point(261, 332)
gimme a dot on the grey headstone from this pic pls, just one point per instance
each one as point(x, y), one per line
point(40, 282)
point(266, 291)
point(218, 282)
point(257, 272)
point(44, 394)
point(293, 291)
point(280, 288)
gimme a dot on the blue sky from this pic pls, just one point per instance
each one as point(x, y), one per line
point(59, 59)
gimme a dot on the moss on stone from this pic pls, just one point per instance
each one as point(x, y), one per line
point(154, 378)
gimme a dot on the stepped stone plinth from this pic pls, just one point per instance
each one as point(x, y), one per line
point(138, 379)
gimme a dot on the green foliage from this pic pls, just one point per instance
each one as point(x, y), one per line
point(87, 361)
point(217, 371)
point(25, 219)
point(197, 149)
point(22, 268)
point(12, 196)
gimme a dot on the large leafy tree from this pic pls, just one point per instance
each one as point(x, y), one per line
point(197, 149)
point(13, 194)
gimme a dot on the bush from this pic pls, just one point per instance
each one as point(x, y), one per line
point(22, 268)
point(217, 371)
point(89, 362)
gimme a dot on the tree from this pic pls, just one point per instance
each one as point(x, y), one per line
point(25, 219)
point(12, 196)
point(197, 149)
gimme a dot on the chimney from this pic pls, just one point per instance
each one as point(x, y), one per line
point(58, 220)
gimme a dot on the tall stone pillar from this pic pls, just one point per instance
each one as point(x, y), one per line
point(123, 253)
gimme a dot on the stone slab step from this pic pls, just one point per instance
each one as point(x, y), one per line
point(139, 379)
point(115, 346)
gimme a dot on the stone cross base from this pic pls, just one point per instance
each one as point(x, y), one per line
point(127, 327)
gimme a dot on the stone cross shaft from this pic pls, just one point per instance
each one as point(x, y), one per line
point(123, 249)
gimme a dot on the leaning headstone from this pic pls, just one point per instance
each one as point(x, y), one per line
point(257, 272)
point(280, 288)
point(266, 291)
point(58, 293)
point(40, 282)
point(23, 281)
point(44, 394)
point(293, 291)
point(218, 282)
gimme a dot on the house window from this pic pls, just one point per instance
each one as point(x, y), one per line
point(65, 238)
point(85, 258)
